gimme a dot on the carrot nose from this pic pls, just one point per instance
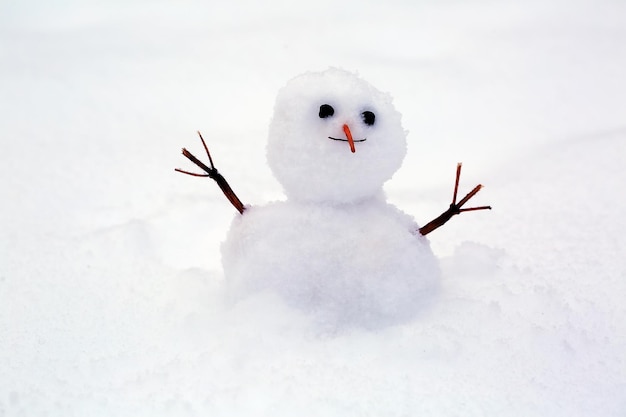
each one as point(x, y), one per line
point(346, 130)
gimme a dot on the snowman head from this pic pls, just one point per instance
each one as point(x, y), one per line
point(334, 138)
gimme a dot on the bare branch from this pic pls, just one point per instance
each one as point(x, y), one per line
point(455, 208)
point(190, 173)
point(456, 182)
point(213, 173)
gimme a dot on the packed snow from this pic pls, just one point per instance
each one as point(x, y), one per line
point(113, 300)
point(320, 105)
point(334, 247)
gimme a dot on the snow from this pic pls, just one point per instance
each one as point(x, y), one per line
point(310, 169)
point(111, 290)
point(334, 248)
point(361, 264)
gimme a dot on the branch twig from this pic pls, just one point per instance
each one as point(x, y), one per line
point(212, 173)
point(455, 208)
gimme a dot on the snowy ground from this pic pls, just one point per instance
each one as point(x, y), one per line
point(110, 276)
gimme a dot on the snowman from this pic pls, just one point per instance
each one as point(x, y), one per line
point(334, 248)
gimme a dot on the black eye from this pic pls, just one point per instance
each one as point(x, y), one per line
point(326, 110)
point(368, 117)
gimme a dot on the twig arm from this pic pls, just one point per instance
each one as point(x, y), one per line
point(455, 208)
point(214, 174)
point(440, 220)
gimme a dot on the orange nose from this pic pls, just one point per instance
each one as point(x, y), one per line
point(346, 130)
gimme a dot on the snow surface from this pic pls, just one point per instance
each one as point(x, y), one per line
point(111, 290)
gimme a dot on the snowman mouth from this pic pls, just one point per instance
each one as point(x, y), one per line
point(349, 138)
point(346, 140)
point(350, 142)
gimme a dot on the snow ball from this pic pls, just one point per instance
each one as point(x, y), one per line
point(361, 265)
point(308, 150)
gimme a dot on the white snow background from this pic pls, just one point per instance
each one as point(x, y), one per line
point(110, 275)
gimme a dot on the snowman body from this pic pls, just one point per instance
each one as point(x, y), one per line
point(362, 263)
point(335, 246)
